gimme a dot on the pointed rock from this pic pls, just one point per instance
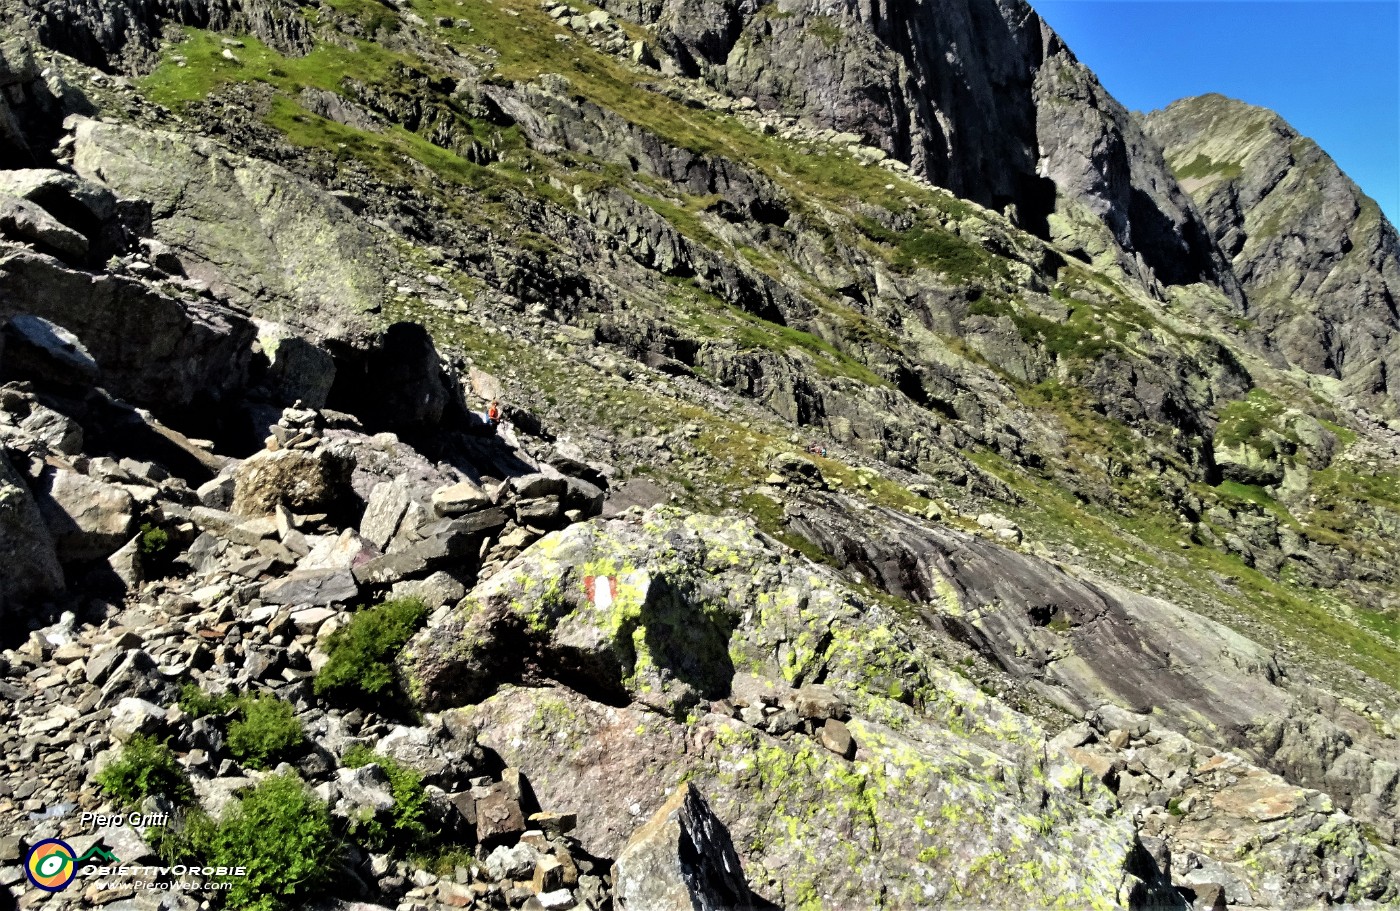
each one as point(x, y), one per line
point(681, 860)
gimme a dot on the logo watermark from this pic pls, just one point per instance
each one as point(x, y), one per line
point(52, 864)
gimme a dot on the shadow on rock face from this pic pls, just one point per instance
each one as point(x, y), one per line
point(399, 384)
point(687, 644)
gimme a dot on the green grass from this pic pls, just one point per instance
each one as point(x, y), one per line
point(1244, 422)
point(927, 245)
point(206, 69)
point(827, 29)
point(1202, 166)
point(710, 316)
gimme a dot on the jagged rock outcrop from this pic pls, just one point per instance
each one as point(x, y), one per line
point(1319, 262)
point(696, 661)
point(32, 106)
point(682, 859)
point(981, 98)
point(164, 351)
point(1090, 645)
point(119, 35)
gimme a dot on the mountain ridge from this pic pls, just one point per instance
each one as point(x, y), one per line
point(1277, 202)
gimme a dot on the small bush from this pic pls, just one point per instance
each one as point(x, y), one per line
point(361, 665)
point(174, 843)
point(145, 767)
point(281, 833)
point(154, 541)
point(265, 733)
point(196, 703)
point(407, 827)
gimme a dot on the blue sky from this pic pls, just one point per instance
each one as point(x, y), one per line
point(1330, 67)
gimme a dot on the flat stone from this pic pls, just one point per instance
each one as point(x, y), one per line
point(316, 588)
point(554, 824)
point(459, 499)
point(310, 620)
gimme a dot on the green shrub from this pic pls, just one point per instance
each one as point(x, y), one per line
point(196, 703)
point(145, 767)
point(361, 665)
point(281, 833)
point(174, 843)
point(154, 540)
point(407, 827)
point(265, 733)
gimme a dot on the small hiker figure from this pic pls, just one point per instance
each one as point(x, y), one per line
point(493, 413)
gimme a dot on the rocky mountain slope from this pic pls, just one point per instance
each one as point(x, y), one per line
point(1319, 261)
point(875, 522)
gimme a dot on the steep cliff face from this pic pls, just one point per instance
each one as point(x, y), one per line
point(1320, 263)
point(980, 97)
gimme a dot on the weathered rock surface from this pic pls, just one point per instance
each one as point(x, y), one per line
point(680, 621)
point(249, 229)
point(301, 481)
point(88, 519)
point(151, 348)
point(1092, 646)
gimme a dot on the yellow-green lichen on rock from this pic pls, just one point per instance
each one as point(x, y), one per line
point(631, 635)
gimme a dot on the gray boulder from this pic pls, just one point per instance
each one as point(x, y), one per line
point(304, 482)
point(87, 518)
point(26, 222)
point(153, 350)
point(38, 349)
point(30, 570)
point(252, 230)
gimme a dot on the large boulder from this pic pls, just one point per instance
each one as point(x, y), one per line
point(152, 349)
point(304, 482)
point(398, 382)
point(87, 518)
point(88, 209)
point(30, 570)
point(295, 370)
point(631, 635)
point(681, 860)
point(36, 349)
point(23, 221)
point(265, 237)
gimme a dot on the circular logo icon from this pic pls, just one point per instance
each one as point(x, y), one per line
point(51, 865)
